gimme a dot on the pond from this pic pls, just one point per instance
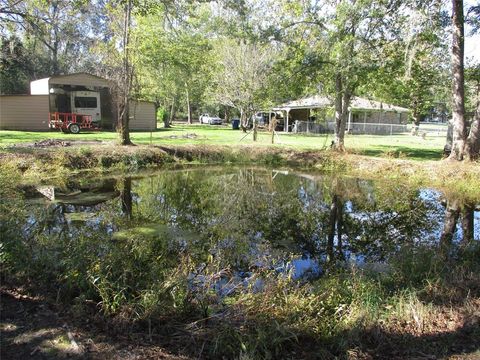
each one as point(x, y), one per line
point(243, 259)
point(244, 220)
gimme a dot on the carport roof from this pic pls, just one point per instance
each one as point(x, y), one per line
point(42, 86)
point(357, 103)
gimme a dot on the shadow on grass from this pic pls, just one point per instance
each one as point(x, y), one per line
point(31, 330)
point(403, 152)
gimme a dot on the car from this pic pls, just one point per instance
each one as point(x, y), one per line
point(212, 120)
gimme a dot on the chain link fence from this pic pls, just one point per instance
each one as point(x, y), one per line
point(309, 127)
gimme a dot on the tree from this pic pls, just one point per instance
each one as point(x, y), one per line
point(343, 41)
point(127, 74)
point(414, 69)
point(465, 145)
point(174, 61)
point(458, 90)
point(472, 82)
point(242, 80)
point(15, 66)
point(60, 31)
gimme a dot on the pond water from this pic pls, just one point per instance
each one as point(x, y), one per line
point(246, 220)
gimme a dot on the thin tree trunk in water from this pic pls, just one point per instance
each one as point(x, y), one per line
point(331, 229)
point(189, 108)
point(452, 214)
point(124, 114)
point(467, 224)
point(458, 108)
point(340, 230)
point(126, 196)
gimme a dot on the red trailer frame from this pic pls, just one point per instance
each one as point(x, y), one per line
point(71, 122)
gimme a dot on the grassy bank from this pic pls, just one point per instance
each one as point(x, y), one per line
point(394, 146)
point(462, 179)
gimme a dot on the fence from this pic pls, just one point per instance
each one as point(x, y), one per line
point(376, 128)
point(308, 127)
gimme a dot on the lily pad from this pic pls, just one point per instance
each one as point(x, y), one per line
point(86, 198)
point(80, 216)
point(154, 231)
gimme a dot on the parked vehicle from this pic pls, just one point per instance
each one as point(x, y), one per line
point(76, 110)
point(87, 103)
point(211, 120)
point(71, 122)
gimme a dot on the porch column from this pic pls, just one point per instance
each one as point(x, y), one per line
point(349, 121)
point(287, 112)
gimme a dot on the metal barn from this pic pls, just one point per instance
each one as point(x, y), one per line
point(56, 94)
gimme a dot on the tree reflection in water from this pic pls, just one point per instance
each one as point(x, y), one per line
point(243, 216)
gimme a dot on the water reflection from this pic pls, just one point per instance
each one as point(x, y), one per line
point(246, 219)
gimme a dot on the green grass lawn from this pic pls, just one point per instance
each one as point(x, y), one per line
point(404, 145)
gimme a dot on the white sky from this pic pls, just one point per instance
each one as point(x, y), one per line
point(472, 47)
point(472, 43)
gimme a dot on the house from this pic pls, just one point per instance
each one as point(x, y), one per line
point(316, 114)
point(69, 93)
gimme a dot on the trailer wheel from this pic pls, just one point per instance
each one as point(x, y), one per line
point(74, 128)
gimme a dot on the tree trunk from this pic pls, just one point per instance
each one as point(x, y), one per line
point(472, 146)
point(124, 113)
point(342, 101)
point(340, 230)
point(458, 108)
point(339, 137)
point(467, 224)
point(226, 115)
point(171, 115)
point(452, 213)
point(189, 108)
point(255, 132)
point(243, 120)
point(54, 48)
point(331, 229)
point(127, 199)
point(416, 115)
point(273, 125)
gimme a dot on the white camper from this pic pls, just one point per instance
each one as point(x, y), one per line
point(86, 103)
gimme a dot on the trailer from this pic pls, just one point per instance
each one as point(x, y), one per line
point(71, 122)
point(76, 110)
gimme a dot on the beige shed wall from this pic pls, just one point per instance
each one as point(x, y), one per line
point(24, 112)
point(142, 116)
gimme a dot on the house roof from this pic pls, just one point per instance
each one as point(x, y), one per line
point(356, 103)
